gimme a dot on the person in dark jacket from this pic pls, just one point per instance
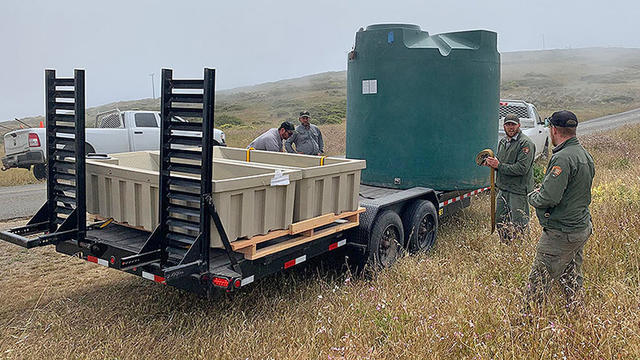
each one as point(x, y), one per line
point(514, 180)
point(562, 206)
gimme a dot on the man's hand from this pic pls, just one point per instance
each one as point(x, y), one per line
point(492, 162)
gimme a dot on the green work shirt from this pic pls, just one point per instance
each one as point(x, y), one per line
point(562, 202)
point(515, 171)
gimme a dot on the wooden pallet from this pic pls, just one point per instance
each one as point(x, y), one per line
point(306, 229)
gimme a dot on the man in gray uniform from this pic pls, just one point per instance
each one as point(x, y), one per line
point(562, 207)
point(307, 138)
point(271, 140)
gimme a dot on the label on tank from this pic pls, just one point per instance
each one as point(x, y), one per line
point(369, 86)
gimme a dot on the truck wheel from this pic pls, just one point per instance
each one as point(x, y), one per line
point(40, 171)
point(421, 222)
point(386, 241)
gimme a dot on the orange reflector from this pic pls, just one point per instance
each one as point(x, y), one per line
point(41, 124)
point(221, 282)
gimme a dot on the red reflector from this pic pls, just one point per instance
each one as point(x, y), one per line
point(93, 259)
point(34, 140)
point(289, 263)
point(221, 282)
point(504, 103)
point(237, 283)
point(158, 279)
point(333, 246)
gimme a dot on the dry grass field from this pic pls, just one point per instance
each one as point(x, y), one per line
point(461, 301)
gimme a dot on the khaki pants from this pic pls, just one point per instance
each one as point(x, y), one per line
point(512, 214)
point(558, 259)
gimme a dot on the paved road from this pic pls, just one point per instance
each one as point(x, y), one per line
point(20, 201)
point(609, 122)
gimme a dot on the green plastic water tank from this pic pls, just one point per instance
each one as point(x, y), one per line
point(420, 107)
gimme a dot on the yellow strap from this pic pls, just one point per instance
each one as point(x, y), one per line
point(106, 223)
point(248, 152)
point(322, 161)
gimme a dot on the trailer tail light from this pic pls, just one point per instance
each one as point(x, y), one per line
point(34, 140)
point(220, 282)
point(237, 283)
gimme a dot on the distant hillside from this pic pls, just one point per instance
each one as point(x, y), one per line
point(592, 82)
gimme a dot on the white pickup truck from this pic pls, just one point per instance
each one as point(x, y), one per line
point(116, 131)
point(531, 123)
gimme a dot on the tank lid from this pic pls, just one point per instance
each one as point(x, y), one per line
point(393, 26)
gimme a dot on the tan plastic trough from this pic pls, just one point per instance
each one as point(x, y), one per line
point(328, 184)
point(125, 187)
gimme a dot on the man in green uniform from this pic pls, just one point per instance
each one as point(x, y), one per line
point(514, 166)
point(562, 206)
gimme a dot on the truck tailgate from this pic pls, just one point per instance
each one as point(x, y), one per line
point(16, 142)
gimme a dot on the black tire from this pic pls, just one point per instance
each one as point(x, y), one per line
point(40, 171)
point(421, 223)
point(386, 241)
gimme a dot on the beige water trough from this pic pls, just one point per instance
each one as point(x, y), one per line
point(125, 187)
point(328, 184)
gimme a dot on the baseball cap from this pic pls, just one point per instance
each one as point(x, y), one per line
point(304, 114)
point(287, 126)
point(564, 118)
point(512, 118)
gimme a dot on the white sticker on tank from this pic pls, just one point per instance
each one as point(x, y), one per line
point(369, 87)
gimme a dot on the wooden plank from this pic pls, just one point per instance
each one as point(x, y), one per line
point(299, 240)
point(239, 244)
point(312, 223)
point(296, 228)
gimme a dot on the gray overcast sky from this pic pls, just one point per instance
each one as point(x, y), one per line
point(120, 43)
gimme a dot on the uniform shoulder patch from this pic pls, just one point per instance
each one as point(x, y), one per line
point(556, 171)
point(525, 149)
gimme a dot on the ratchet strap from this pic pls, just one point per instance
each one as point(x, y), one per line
point(248, 154)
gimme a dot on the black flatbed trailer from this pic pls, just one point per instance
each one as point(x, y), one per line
point(391, 220)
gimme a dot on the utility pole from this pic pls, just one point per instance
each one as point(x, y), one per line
point(153, 86)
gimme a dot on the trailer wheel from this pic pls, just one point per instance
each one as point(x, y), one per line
point(421, 222)
point(40, 171)
point(386, 242)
